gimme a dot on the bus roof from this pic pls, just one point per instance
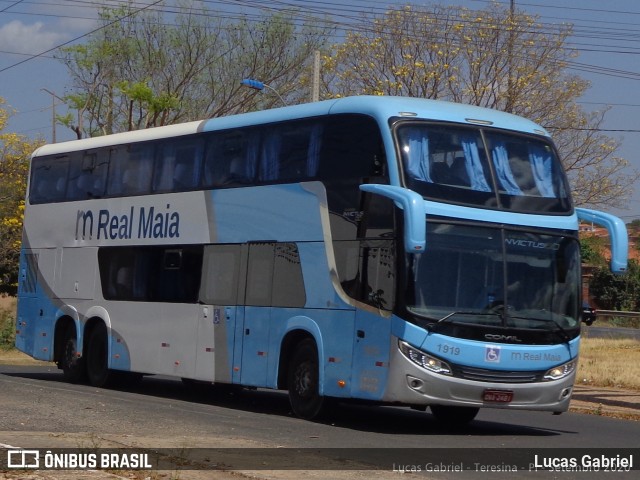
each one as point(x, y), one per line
point(379, 107)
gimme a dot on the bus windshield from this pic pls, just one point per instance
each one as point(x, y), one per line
point(494, 169)
point(496, 277)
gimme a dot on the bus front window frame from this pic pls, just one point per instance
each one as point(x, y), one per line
point(491, 295)
point(469, 165)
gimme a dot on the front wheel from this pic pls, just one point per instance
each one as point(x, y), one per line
point(453, 415)
point(303, 379)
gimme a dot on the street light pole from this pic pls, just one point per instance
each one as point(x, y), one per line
point(258, 85)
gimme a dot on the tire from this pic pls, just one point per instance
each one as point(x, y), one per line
point(97, 356)
point(303, 382)
point(73, 366)
point(454, 416)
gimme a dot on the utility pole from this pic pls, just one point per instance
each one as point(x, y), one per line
point(53, 112)
point(315, 89)
point(510, 82)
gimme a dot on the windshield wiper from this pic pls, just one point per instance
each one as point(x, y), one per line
point(559, 330)
point(447, 317)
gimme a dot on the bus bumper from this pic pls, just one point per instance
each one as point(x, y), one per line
point(412, 385)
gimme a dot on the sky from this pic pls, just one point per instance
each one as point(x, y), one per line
point(606, 36)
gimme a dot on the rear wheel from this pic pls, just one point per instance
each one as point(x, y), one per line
point(303, 380)
point(97, 356)
point(454, 416)
point(71, 361)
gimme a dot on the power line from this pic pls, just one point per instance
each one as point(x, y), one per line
point(79, 37)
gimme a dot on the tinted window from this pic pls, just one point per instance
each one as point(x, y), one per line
point(177, 165)
point(481, 167)
point(288, 285)
point(220, 275)
point(88, 175)
point(366, 270)
point(274, 276)
point(151, 274)
point(49, 179)
point(131, 169)
point(344, 150)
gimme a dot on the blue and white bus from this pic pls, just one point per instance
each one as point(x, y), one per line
point(395, 250)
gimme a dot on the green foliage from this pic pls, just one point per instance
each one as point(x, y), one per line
point(7, 328)
point(592, 250)
point(617, 292)
point(491, 57)
point(151, 68)
point(14, 165)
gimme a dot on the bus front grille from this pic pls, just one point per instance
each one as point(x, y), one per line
point(497, 376)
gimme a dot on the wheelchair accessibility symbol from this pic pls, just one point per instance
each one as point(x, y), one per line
point(492, 354)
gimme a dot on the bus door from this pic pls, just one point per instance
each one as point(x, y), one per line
point(373, 323)
point(221, 316)
point(256, 314)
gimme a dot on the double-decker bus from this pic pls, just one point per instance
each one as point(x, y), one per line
point(395, 250)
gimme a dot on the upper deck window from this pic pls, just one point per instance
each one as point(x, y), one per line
point(492, 169)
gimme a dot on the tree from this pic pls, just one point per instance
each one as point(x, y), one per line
point(152, 68)
point(15, 151)
point(492, 58)
point(617, 292)
point(593, 250)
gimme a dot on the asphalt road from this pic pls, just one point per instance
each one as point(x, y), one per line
point(39, 410)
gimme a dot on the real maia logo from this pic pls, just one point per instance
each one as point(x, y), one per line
point(139, 222)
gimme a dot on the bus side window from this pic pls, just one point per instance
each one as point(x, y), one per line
point(366, 271)
point(131, 170)
point(288, 283)
point(87, 176)
point(178, 165)
point(220, 275)
point(231, 158)
point(49, 179)
point(299, 154)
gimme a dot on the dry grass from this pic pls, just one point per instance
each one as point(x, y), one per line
point(609, 363)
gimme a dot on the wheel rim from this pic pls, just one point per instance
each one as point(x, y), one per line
point(304, 384)
point(70, 354)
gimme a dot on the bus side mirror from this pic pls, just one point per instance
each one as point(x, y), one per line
point(617, 233)
point(412, 204)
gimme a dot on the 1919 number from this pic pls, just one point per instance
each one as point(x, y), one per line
point(448, 349)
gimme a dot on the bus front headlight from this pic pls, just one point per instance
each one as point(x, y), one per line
point(561, 371)
point(423, 359)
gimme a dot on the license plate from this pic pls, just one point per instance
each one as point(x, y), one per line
point(497, 396)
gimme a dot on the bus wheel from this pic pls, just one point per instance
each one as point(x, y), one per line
point(73, 366)
point(97, 356)
point(303, 381)
point(454, 416)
